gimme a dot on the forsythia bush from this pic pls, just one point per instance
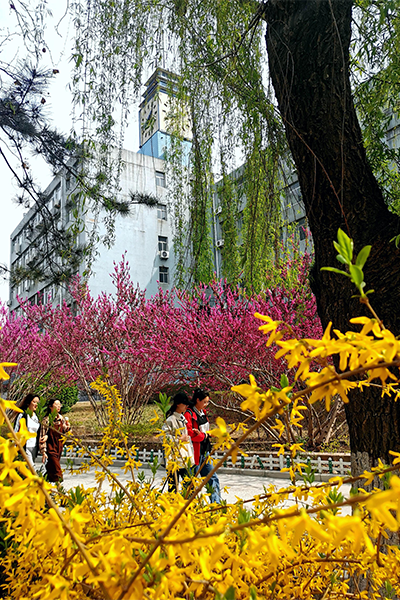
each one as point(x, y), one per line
point(138, 543)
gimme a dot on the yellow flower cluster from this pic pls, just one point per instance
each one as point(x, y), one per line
point(371, 352)
point(113, 434)
point(302, 542)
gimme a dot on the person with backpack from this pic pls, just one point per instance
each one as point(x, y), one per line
point(175, 428)
point(29, 405)
point(198, 427)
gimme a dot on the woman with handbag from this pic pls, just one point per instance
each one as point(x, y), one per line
point(54, 426)
point(29, 406)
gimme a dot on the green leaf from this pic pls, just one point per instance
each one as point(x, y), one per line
point(342, 259)
point(362, 256)
point(253, 593)
point(356, 275)
point(346, 244)
point(284, 380)
point(338, 247)
point(229, 594)
point(396, 240)
point(335, 270)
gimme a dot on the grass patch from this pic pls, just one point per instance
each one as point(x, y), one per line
point(83, 421)
point(145, 427)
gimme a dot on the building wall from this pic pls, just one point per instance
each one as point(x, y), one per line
point(292, 210)
point(137, 234)
point(159, 144)
point(160, 104)
point(28, 233)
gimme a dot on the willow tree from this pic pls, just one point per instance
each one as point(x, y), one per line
point(319, 55)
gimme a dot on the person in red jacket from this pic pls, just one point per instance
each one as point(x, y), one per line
point(198, 427)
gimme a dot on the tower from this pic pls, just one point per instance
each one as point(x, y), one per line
point(156, 109)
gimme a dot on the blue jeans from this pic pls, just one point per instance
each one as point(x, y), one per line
point(215, 495)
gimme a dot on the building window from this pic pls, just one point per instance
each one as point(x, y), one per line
point(57, 196)
point(162, 212)
point(162, 243)
point(49, 295)
point(301, 228)
point(163, 272)
point(160, 179)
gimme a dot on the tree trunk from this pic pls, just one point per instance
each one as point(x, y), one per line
point(308, 50)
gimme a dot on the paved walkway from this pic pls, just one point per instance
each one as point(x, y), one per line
point(234, 486)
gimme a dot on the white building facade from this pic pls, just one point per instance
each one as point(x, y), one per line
point(144, 236)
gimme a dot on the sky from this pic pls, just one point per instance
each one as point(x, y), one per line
point(58, 104)
point(59, 108)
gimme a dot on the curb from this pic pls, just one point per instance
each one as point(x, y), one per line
point(223, 470)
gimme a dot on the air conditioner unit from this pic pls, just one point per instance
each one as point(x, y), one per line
point(218, 210)
point(164, 254)
point(220, 243)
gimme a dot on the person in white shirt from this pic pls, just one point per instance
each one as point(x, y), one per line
point(182, 448)
point(29, 405)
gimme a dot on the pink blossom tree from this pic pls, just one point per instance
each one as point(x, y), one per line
point(142, 345)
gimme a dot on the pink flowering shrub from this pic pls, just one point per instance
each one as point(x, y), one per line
point(207, 338)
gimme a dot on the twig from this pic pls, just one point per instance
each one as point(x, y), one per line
point(220, 462)
point(104, 467)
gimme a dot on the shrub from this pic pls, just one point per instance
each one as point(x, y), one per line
point(137, 543)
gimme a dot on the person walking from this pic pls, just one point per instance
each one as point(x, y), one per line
point(29, 405)
point(198, 427)
point(54, 443)
point(181, 452)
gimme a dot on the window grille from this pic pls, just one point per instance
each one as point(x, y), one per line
point(162, 212)
point(162, 243)
point(163, 274)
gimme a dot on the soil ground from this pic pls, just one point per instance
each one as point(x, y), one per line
point(144, 433)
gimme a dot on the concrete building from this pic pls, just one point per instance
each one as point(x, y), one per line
point(294, 220)
point(292, 210)
point(145, 235)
